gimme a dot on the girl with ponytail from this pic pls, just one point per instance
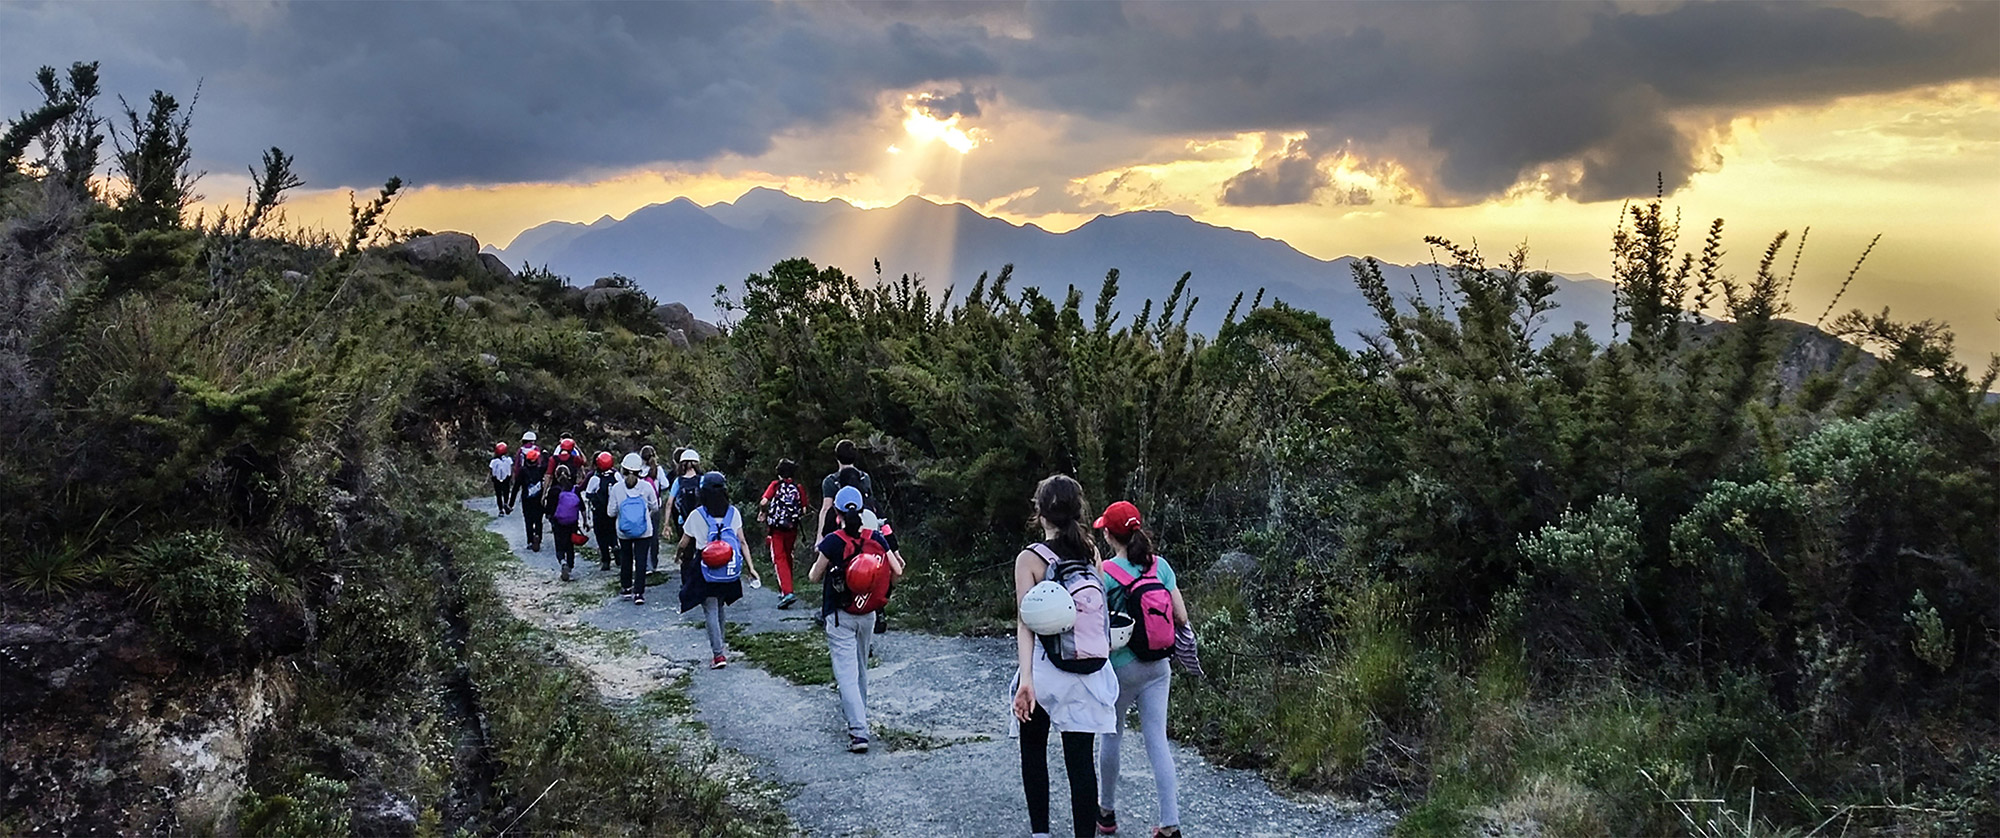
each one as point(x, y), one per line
point(1045, 695)
point(1132, 566)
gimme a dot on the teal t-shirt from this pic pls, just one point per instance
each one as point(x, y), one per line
point(1121, 657)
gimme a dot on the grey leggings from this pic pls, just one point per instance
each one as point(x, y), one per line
point(711, 608)
point(1143, 683)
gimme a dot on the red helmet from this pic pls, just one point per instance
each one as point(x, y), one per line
point(500, 449)
point(717, 554)
point(533, 454)
point(566, 444)
point(604, 460)
point(865, 572)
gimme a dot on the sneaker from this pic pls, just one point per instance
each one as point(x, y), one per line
point(565, 574)
point(857, 745)
point(1107, 821)
point(720, 662)
point(786, 601)
point(625, 594)
point(639, 600)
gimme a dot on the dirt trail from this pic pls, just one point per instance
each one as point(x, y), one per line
point(944, 763)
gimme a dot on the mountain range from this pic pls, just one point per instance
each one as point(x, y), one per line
point(681, 250)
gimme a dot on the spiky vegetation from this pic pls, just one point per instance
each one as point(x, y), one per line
point(1498, 572)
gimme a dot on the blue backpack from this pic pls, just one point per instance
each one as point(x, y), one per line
point(720, 531)
point(633, 516)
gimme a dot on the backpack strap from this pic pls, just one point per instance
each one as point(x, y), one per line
point(1118, 573)
point(1048, 555)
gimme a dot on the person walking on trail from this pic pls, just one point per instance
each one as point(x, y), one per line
point(847, 472)
point(1062, 648)
point(501, 467)
point(632, 502)
point(566, 455)
point(569, 517)
point(1140, 585)
point(681, 492)
point(781, 511)
point(532, 472)
point(657, 475)
point(598, 492)
point(854, 569)
point(714, 532)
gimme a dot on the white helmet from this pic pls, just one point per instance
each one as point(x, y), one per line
point(1121, 630)
point(634, 462)
point(528, 437)
point(689, 455)
point(1048, 609)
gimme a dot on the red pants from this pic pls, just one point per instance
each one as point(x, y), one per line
point(781, 555)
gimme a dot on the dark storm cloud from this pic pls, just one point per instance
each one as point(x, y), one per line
point(1288, 178)
point(1469, 98)
point(944, 105)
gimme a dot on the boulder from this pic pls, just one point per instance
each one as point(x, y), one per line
point(442, 248)
point(497, 268)
point(489, 359)
point(599, 297)
point(702, 330)
point(609, 282)
point(294, 277)
point(461, 303)
point(677, 338)
point(673, 316)
point(676, 316)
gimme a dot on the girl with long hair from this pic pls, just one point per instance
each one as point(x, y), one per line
point(1134, 565)
point(1079, 705)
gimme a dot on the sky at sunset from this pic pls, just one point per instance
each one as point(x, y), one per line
point(1341, 128)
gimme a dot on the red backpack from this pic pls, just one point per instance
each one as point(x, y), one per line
point(867, 597)
point(1151, 607)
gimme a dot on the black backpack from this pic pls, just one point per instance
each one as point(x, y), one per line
point(600, 500)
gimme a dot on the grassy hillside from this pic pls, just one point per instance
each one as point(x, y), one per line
point(1663, 583)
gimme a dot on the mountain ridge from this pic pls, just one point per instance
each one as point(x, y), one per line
point(683, 250)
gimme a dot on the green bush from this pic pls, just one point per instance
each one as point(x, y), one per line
point(200, 589)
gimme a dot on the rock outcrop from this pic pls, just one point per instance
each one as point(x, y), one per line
point(676, 317)
point(440, 252)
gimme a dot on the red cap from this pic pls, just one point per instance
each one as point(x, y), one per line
point(1120, 519)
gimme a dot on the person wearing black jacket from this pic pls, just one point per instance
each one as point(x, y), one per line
point(597, 495)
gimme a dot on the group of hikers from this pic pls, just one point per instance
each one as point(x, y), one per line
point(1095, 633)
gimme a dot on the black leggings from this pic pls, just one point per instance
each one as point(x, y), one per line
point(1078, 761)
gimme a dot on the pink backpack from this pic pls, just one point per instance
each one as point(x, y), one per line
point(1087, 646)
point(1151, 607)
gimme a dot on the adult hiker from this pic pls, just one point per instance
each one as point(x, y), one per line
point(854, 569)
point(654, 474)
point(781, 511)
point(1140, 586)
point(1062, 645)
point(632, 502)
point(598, 492)
point(501, 467)
point(531, 471)
point(567, 513)
point(681, 491)
point(847, 472)
point(714, 531)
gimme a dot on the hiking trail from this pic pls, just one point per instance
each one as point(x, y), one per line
point(943, 762)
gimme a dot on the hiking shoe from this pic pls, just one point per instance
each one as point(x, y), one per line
point(639, 600)
point(1107, 822)
point(720, 662)
point(565, 574)
point(625, 594)
point(857, 745)
point(786, 601)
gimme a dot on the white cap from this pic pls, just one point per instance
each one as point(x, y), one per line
point(689, 455)
point(634, 462)
point(528, 437)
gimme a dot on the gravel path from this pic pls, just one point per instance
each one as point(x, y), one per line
point(946, 766)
